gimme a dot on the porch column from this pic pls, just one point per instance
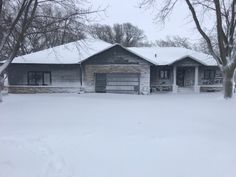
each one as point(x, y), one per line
point(174, 86)
point(196, 86)
point(81, 90)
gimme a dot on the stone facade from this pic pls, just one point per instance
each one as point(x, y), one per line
point(209, 88)
point(116, 60)
point(143, 70)
point(41, 89)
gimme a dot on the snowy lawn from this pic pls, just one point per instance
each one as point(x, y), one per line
point(108, 135)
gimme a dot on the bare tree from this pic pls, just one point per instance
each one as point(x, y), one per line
point(225, 14)
point(175, 41)
point(202, 46)
point(119, 33)
point(11, 21)
point(125, 34)
point(103, 32)
point(51, 30)
point(22, 21)
point(133, 35)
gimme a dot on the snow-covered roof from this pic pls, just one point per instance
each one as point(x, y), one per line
point(70, 53)
point(169, 55)
point(76, 52)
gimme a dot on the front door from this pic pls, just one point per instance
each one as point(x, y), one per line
point(180, 77)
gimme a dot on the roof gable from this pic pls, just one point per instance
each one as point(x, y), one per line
point(116, 54)
point(187, 61)
point(169, 55)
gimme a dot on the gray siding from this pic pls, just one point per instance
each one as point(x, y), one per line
point(218, 76)
point(189, 77)
point(187, 62)
point(115, 55)
point(155, 76)
point(62, 75)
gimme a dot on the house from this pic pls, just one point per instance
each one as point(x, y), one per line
point(96, 66)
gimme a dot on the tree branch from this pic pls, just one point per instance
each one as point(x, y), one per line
point(222, 42)
point(204, 35)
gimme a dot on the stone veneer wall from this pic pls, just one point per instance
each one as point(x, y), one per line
point(211, 88)
point(142, 69)
point(41, 89)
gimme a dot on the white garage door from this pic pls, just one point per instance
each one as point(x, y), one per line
point(118, 82)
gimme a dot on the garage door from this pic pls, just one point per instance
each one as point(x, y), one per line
point(117, 83)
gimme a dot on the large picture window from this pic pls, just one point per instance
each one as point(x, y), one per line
point(39, 78)
point(164, 74)
point(209, 74)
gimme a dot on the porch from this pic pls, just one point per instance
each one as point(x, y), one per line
point(186, 75)
point(175, 79)
point(185, 79)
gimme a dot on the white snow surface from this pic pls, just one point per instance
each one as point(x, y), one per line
point(70, 53)
point(169, 55)
point(76, 52)
point(109, 135)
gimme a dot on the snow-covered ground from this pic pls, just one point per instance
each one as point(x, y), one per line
point(108, 135)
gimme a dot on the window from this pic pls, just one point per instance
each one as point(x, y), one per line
point(209, 74)
point(164, 74)
point(39, 78)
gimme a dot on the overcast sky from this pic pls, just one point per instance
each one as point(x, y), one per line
point(120, 11)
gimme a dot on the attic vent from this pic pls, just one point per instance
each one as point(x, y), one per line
point(155, 55)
